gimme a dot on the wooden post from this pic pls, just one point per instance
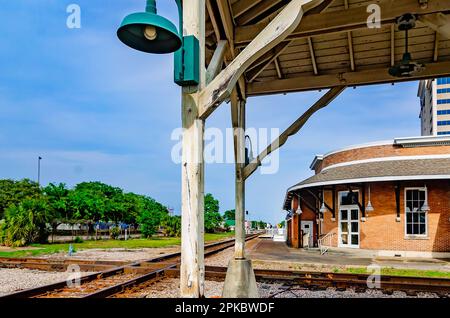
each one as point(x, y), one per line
point(238, 108)
point(192, 188)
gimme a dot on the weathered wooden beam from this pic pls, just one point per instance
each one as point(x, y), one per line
point(220, 88)
point(192, 174)
point(339, 21)
point(238, 107)
point(215, 66)
point(214, 22)
point(366, 77)
point(293, 129)
point(313, 56)
point(227, 21)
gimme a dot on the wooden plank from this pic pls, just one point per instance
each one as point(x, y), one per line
point(352, 19)
point(220, 88)
point(366, 77)
point(293, 129)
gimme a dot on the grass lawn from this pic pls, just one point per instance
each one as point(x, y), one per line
point(39, 249)
point(389, 271)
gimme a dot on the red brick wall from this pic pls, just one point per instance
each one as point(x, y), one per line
point(381, 231)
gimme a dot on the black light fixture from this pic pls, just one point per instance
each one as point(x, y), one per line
point(407, 66)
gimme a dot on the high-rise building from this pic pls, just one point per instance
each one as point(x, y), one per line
point(435, 106)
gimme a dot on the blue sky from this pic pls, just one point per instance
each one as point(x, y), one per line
point(96, 110)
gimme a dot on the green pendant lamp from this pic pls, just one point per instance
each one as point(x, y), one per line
point(148, 32)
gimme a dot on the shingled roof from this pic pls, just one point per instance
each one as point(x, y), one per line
point(413, 169)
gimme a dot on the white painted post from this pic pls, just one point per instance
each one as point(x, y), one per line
point(192, 185)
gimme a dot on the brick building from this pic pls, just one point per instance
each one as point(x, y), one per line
point(392, 197)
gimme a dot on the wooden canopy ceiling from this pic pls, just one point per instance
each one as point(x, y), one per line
point(332, 46)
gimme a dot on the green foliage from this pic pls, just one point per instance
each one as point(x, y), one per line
point(151, 216)
point(25, 223)
point(87, 203)
point(213, 218)
point(115, 233)
point(78, 240)
point(229, 215)
point(13, 192)
point(172, 225)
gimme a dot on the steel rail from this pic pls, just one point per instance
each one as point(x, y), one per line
point(147, 266)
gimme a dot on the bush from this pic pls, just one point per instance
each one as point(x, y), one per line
point(78, 240)
point(114, 233)
point(25, 223)
point(172, 226)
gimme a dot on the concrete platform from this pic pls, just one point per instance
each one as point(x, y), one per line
point(269, 251)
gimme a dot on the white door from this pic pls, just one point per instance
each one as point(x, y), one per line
point(307, 227)
point(349, 227)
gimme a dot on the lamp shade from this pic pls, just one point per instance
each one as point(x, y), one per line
point(135, 28)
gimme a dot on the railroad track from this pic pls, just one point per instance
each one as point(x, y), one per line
point(113, 278)
point(341, 281)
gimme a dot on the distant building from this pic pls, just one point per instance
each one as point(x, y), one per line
point(391, 197)
point(435, 106)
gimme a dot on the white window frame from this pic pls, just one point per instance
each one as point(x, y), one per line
point(426, 214)
point(348, 207)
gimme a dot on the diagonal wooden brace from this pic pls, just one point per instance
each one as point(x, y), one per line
point(293, 129)
point(282, 26)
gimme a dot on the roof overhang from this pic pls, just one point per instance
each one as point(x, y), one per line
point(332, 46)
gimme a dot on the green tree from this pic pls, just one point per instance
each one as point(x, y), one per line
point(152, 214)
point(212, 215)
point(229, 215)
point(13, 192)
point(26, 223)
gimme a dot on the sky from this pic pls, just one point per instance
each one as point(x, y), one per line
point(96, 110)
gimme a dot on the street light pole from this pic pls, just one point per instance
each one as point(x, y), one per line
point(39, 170)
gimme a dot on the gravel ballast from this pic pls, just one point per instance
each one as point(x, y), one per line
point(12, 280)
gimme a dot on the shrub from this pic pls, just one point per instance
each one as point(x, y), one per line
point(114, 233)
point(25, 223)
point(172, 226)
point(78, 240)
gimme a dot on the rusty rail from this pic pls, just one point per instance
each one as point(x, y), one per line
point(117, 279)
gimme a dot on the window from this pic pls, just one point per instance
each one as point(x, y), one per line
point(443, 122)
point(443, 112)
point(347, 198)
point(443, 90)
point(416, 219)
point(442, 133)
point(443, 80)
point(443, 101)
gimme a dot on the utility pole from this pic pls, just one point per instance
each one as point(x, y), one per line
point(192, 271)
point(39, 170)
